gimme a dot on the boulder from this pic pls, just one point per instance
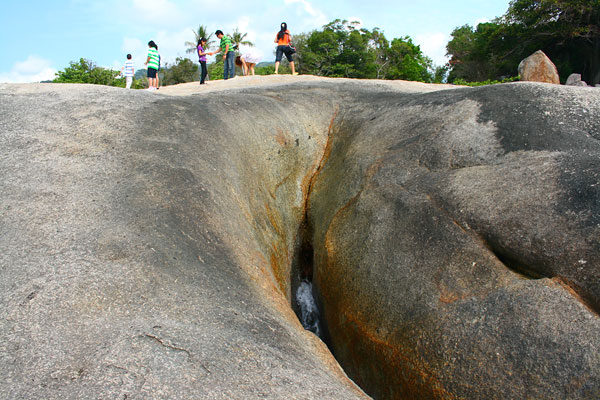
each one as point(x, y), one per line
point(538, 68)
point(575, 80)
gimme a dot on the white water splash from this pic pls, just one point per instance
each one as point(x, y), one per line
point(309, 313)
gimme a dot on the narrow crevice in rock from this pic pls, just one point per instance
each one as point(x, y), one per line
point(513, 264)
point(304, 301)
point(528, 273)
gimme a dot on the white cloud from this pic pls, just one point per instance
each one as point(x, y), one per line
point(433, 45)
point(315, 17)
point(157, 12)
point(33, 69)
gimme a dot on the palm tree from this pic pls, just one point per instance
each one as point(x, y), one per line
point(202, 32)
point(238, 39)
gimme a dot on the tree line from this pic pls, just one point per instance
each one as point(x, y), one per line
point(568, 31)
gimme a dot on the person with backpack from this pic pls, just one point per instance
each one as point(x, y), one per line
point(153, 65)
point(202, 59)
point(226, 47)
point(284, 46)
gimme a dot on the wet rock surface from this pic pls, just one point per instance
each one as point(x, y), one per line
point(148, 242)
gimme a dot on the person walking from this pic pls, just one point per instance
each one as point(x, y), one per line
point(152, 63)
point(202, 59)
point(284, 40)
point(129, 72)
point(226, 47)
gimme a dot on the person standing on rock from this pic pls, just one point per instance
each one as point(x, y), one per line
point(284, 46)
point(152, 63)
point(247, 61)
point(226, 47)
point(202, 59)
point(128, 72)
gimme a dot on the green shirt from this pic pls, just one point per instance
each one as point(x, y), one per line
point(153, 54)
point(225, 40)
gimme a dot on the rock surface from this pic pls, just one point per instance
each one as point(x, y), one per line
point(575, 80)
point(148, 241)
point(138, 235)
point(538, 68)
point(457, 243)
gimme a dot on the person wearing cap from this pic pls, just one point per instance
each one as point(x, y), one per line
point(226, 47)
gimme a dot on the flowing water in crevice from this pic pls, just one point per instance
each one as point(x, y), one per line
point(304, 303)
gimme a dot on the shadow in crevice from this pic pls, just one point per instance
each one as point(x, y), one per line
point(304, 301)
point(575, 290)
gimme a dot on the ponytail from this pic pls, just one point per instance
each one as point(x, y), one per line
point(281, 33)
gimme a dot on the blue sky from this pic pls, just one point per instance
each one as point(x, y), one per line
point(37, 38)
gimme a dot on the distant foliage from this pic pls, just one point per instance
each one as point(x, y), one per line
point(86, 71)
point(342, 49)
point(215, 70)
point(460, 81)
point(183, 70)
point(568, 31)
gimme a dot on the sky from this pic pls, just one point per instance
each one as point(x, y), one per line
point(40, 37)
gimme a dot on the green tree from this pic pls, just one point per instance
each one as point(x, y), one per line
point(480, 54)
point(568, 31)
point(86, 71)
point(215, 69)
point(238, 38)
point(345, 50)
point(184, 70)
point(201, 32)
point(408, 62)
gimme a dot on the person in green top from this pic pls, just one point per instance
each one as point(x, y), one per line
point(153, 65)
point(226, 47)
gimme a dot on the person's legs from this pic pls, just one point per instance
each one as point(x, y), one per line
point(225, 69)
point(128, 81)
point(230, 60)
point(289, 57)
point(278, 57)
point(204, 71)
point(251, 67)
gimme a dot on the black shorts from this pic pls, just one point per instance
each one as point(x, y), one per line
point(281, 50)
point(151, 73)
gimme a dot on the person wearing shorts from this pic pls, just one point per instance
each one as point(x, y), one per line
point(283, 40)
point(153, 65)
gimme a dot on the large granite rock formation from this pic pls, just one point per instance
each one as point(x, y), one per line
point(149, 243)
point(457, 243)
point(141, 238)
